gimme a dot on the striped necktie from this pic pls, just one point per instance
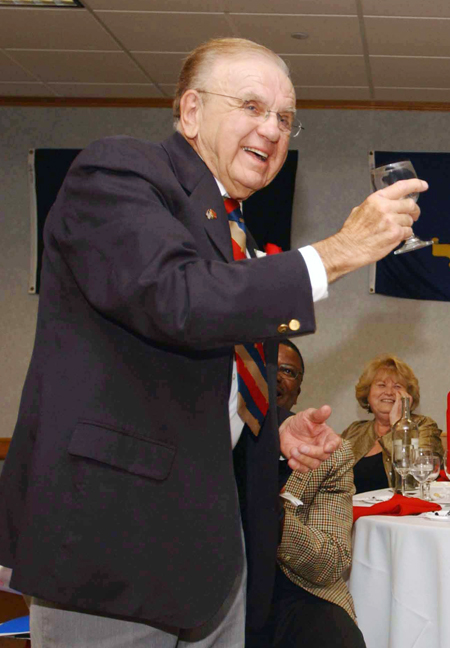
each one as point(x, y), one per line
point(253, 394)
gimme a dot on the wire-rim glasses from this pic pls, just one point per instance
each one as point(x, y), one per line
point(257, 110)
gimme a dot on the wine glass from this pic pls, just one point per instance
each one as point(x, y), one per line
point(387, 175)
point(403, 457)
point(446, 470)
point(421, 467)
point(432, 477)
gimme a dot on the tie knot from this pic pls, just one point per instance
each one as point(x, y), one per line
point(231, 205)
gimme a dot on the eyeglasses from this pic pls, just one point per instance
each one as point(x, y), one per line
point(289, 372)
point(258, 111)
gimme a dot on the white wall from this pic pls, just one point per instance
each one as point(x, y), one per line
point(354, 325)
point(332, 177)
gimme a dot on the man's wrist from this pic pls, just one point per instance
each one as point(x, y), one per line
point(337, 256)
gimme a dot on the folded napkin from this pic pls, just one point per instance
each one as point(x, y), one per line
point(397, 505)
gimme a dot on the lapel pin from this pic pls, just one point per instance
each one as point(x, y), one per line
point(210, 214)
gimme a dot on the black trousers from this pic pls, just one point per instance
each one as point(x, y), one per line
point(299, 619)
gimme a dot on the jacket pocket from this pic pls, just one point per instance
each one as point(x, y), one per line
point(120, 450)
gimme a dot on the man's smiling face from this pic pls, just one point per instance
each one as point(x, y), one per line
point(244, 154)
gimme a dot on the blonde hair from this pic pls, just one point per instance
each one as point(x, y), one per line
point(198, 65)
point(396, 366)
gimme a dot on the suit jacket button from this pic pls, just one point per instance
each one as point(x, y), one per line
point(283, 328)
point(294, 325)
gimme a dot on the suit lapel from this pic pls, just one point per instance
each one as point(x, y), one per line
point(206, 196)
point(251, 245)
point(200, 185)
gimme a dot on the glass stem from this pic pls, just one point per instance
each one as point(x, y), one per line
point(421, 491)
point(403, 484)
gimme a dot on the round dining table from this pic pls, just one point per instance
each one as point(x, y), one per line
point(400, 576)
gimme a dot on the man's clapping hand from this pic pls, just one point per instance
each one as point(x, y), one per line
point(306, 440)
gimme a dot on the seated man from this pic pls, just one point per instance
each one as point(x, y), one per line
point(291, 369)
point(311, 605)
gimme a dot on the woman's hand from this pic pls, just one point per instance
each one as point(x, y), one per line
point(396, 411)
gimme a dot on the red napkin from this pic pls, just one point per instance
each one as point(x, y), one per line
point(397, 505)
point(442, 476)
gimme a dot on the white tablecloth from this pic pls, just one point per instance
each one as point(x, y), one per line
point(400, 579)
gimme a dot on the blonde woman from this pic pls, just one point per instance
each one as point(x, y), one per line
point(379, 390)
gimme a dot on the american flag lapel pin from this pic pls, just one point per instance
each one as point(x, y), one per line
point(210, 214)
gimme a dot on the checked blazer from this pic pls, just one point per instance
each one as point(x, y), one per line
point(315, 548)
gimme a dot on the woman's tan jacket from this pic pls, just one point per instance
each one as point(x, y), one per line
point(362, 437)
point(316, 545)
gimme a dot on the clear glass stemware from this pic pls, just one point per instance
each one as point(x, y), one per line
point(446, 470)
point(421, 467)
point(387, 175)
point(432, 477)
point(403, 457)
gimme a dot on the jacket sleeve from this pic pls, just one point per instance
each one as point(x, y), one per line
point(122, 225)
point(316, 542)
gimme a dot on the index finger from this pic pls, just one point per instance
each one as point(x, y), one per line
point(319, 415)
point(403, 188)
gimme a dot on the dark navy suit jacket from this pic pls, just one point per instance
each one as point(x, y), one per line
point(118, 494)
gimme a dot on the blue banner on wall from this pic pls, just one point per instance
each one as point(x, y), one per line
point(425, 273)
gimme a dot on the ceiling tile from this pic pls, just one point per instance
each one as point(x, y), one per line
point(25, 90)
point(436, 8)
point(11, 71)
point(410, 72)
point(408, 36)
point(327, 70)
point(82, 67)
point(168, 89)
point(347, 7)
point(114, 90)
point(52, 29)
point(413, 94)
point(157, 5)
point(164, 32)
point(333, 94)
point(327, 35)
point(161, 68)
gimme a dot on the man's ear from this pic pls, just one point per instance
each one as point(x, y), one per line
point(190, 113)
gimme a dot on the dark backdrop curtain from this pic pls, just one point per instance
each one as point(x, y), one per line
point(267, 213)
point(425, 273)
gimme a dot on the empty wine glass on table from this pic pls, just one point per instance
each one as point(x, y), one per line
point(421, 467)
point(403, 457)
point(432, 477)
point(387, 175)
point(446, 470)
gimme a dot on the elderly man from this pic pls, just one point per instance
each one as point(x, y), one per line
point(156, 340)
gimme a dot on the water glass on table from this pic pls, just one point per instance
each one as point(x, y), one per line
point(432, 477)
point(421, 467)
point(402, 461)
point(446, 470)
